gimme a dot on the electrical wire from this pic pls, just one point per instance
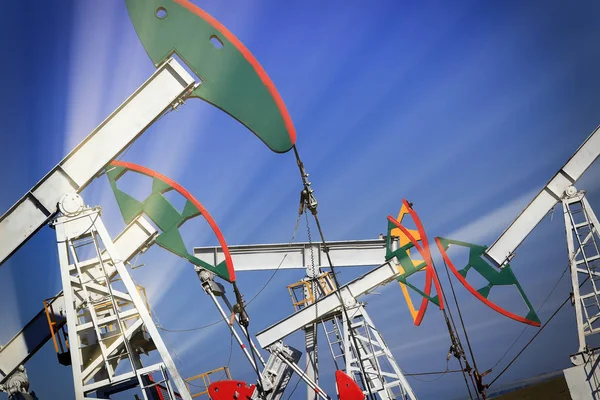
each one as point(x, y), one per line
point(251, 300)
point(434, 373)
point(224, 374)
point(464, 332)
point(156, 320)
point(280, 263)
point(253, 352)
point(297, 382)
point(536, 334)
point(228, 358)
point(314, 359)
point(441, 373)
point(462, 322)
point(530, 341)
point(527, 326)
point(455, 339)
point(162, 328)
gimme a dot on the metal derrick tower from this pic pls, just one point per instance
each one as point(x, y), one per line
point(314, 299)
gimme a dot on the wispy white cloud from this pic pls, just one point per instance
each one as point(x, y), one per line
point(89, 67)
point(197, 339)
point(488, 226)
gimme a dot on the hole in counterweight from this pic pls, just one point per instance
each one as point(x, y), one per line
point(216, 41)
point(161, 13)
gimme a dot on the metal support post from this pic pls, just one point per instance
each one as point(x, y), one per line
point(385, 378)
point(583, 244)
point(278, 350)
point(312, 362)
point(111, 326)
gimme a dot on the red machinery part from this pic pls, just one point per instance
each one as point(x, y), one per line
point(424, 251)
point(228, 390)
point(346, 387)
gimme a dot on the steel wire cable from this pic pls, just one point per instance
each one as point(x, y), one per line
point(451, 326)
point(330, 262)
point(224, 374)
point(536, 335)
point(251, 300)
point(314, 281)
point(440, 373)
point(464, 331)
point(527, 326)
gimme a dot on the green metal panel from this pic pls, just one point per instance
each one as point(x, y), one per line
point(407, 264)
point(495, 277)
point(166, 217)
point(232, 79)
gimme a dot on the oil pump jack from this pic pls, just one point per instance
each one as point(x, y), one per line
point(493, 264)
point(110, 328)
point(583, 249)
point(108, 324)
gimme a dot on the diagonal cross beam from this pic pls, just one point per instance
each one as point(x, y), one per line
point(328, 304)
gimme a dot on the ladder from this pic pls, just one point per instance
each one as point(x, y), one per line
point(584, 258)
point(108, 323)
point(382, 373)
point(106, 314)
point(335, 340)
point(581, 225)
point(155, 384)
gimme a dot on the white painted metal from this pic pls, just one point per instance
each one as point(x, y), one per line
point(382, 373)
point(134, 238)
point(327, 309)
point(115, 315)
point(279, 350)
point(17, 386)
point(335, 340)
point(583, 379)
point(276, 374)
point(26, 343)
point(168, 86)
point(583, 243)
point(503, 248)
point(149, 384)
point(233, 331)
point(312, 358)
point(328, 304)
point(349, 253)
point(244, 329)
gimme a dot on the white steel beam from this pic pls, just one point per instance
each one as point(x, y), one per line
point(27, 341)
point(349, 253)
point(168, 86)
point(328, 304)
point(134, 238)
point(503, 248)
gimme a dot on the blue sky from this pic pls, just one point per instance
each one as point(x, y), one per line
point(466, 108)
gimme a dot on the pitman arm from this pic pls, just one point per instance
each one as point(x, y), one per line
point(503, 248)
